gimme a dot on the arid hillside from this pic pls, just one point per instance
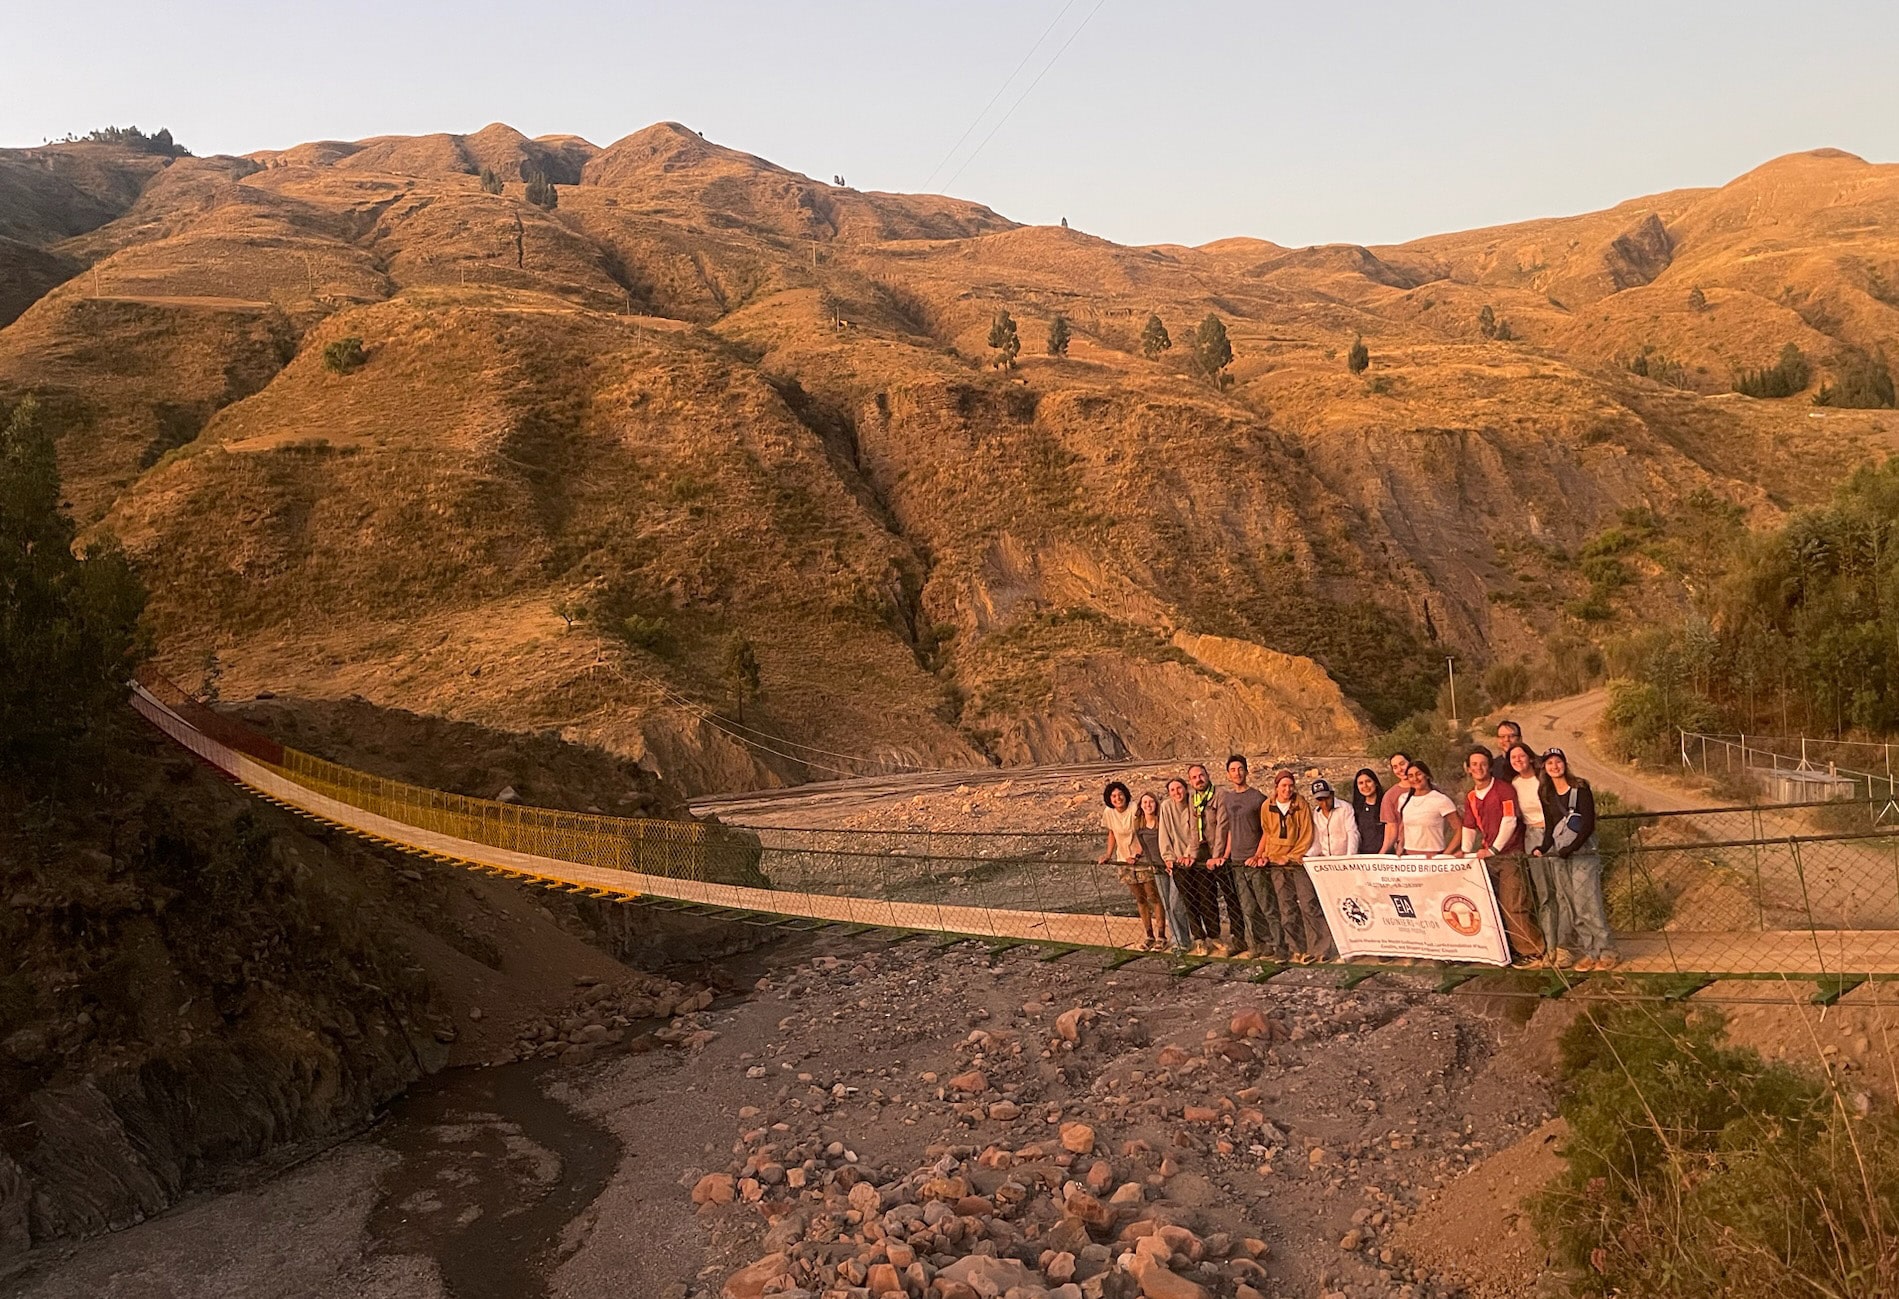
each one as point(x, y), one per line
point(585, 451)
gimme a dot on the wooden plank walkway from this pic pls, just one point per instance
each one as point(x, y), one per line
point(1806, 954)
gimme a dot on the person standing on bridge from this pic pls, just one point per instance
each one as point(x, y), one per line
point(1239, 830)
point(1525, 772)
point(1493, 833)
point(1428, 824)
point(1178, 850)
point(1291, 829)
point(1569, 844)
point(1120, 819)
point(1390, 811)
point(1201, 883)
point(1142, 875)
point(1509, 735)
point(1368, 797)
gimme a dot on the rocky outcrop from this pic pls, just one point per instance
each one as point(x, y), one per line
point(1638, 254)
point(1226, 695)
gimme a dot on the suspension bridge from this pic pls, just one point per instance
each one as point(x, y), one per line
point(1821, 908)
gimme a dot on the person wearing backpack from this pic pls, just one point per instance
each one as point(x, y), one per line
point(1569, 845)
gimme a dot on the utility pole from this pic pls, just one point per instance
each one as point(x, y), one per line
point(1450, 666)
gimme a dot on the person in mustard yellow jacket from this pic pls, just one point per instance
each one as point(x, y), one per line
point(1285, 839)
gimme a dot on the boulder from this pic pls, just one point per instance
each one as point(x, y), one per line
point(715, 1188)
point(1159, 1282)
point(749, 1282)
point(1078, 1138)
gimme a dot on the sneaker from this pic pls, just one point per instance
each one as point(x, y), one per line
point(1219, 949)
point(1302, 958)
point(1585, 965)
point(1527, 963)
point(1608, 961)
point(1199, 947)
point(1563, 959)
point(1241, 953)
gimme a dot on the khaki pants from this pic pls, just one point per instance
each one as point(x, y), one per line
point(1509, 878)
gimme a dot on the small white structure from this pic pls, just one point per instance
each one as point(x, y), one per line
point(1803, 785)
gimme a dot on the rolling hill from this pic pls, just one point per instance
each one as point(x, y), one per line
point(706, 397)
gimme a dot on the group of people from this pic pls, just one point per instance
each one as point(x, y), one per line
point(1189, 851)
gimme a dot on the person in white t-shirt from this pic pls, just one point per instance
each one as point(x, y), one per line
point(1525, 767)
point(1428, 823)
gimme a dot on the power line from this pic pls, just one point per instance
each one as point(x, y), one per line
point(1025, 94)
point(970, 129)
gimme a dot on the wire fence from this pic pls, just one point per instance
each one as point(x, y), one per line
point(1793, 768)
point(1805, 889)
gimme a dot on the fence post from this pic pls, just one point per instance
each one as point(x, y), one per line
point(1806, 900)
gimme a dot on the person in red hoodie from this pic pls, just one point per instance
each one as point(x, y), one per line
point(1493, 831)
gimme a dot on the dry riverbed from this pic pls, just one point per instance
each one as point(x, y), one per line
point(850, 1111)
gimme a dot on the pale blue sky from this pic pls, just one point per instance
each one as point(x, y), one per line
point(1161, 122)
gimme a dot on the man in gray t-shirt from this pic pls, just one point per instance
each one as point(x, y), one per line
point(1240, 832)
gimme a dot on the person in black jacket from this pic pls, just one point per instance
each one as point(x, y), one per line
point(1569, 844)
point(1368, 797)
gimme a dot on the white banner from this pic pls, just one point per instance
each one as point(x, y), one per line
point(1438, 908)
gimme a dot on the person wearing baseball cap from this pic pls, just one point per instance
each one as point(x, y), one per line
point(1334, 827)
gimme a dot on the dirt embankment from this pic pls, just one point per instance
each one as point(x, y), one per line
point(199, 984)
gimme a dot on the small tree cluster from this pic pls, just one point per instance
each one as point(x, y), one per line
point(344, 355)
point(130, 137)
point(1005, 340)
point(1697, 300)
point(1058, 336)
point(1491, 325)
point(1784, 378)
point(1651, 364)
point(490, 182)
point(540, 190)
point(1860, 381)
point(1154, 339)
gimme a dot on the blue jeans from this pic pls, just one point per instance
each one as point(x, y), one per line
point(1578, 880)
point(1174, 908)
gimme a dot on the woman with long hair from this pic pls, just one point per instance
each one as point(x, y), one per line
point(1569, 846)
point(1368, 795)
point(1175, 843)
point(1428, 823)
point(1122, 820)
point(1144, 874)
point(1523, 767)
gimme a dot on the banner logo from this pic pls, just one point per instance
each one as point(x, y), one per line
point(1355, 911)
point(1461, 914)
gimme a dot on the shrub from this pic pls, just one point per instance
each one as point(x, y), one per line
point(1427, 737)
point(344, 355)
point(1212, 350)
point(490, 183)
point(1058, 336)
point(1507, 683)
point(1697, 300)
point(1154, 339)
point(1005, 340)
point(1694, 1169)
point(642, 632)
point(1784, 378)
point(1359, 358)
